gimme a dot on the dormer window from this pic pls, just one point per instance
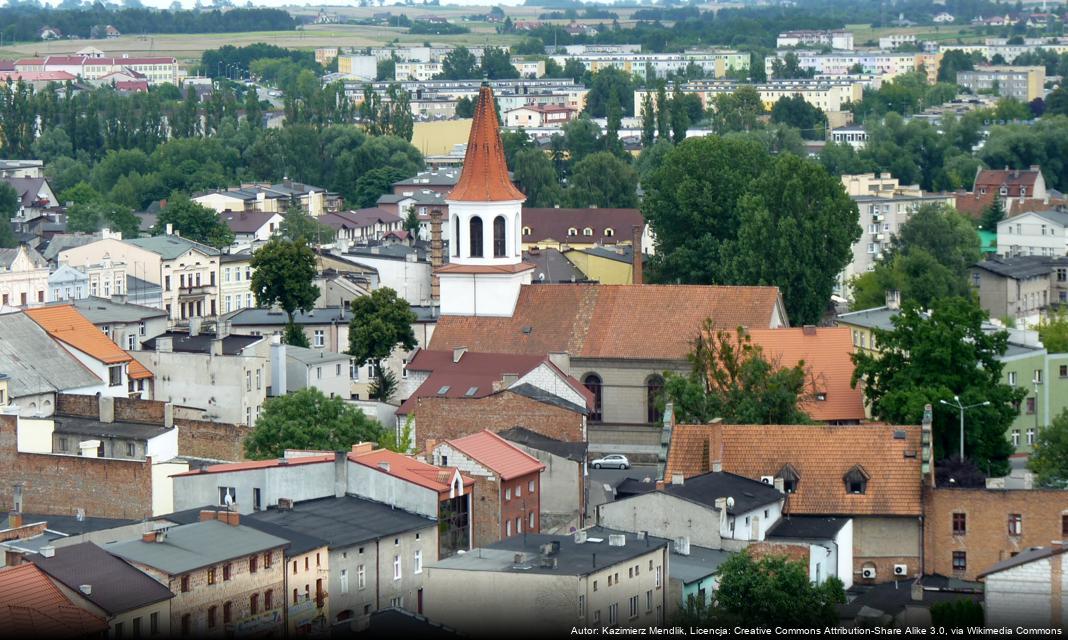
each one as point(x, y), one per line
point(526, 231)
point(572, 231)
point(609, 232)
point(1004, 191)
point(821, 397)
point(856, 480)
point(790, 478)
point(587, 231)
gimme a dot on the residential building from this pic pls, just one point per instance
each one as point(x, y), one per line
point(551, 583)
point(1019, 83)
point(855, 135)
point(713, 64)
point(827, 356)
point(1017, 288)
point(870, 473)
point(401, 266)
point(449, 392)
point(35, 606)
point(124, 376)
point(23, 277)
point(833, 39)
point(1035, 233)
point(128, 325)
point(829, 542)
point(251, 228)
point(840, 64)
point(225, 376)
point(21, 168)
point(104, 436)
point(612, 264)
point(507, 493)
point(969, 531)
point(563, 481)
point(363, 225)
point(224, 575)
point(270, 198)
point(235, 282)
point(907, 604)
point(1013, 187)
point(311, 368)
point(130, 600)
point(358, 66)
point(895, 40)
point(1025, 590)
point(826, 94)
point(67, 283)
point(537, 115)
point(156, 69)
point(583, 228)
point(35, 195)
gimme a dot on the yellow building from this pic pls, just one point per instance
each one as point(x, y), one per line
point(607, 265)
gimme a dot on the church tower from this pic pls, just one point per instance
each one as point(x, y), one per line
point(486, 268)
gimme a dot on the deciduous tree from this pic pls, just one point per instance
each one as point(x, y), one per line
point(603, 180)
point(381, 322)
point(308, 420)
point(283, 271)
point(195, 222)
point(1050, 457)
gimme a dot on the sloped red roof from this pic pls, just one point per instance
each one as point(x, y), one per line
point(258, 464)
point(1013, 179)
point(472, 377)
point(485, 174)
point(64, 323)
point(32, 606)
point(827, 354)
point(633, 322)
point(554, 223)
point(410, 469)
point(497, 454)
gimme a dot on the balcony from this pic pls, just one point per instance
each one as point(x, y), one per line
point(196, 290)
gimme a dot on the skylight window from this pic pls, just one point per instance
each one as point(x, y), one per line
point(442, 391)
point(472, 391)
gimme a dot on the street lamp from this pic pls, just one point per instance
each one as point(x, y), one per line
point(963, 408)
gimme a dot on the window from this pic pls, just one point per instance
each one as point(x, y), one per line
point(211, 616)
point(153, 623)
point(227, 571)
point(1038, 376)
point(248, 380)
point(572, 231)
point(267, 560)
point(658, 570)
point(582, 605)
point(597, 617)
point(960, 524)
point(613, 613)
point(253, 564)
point(595, 585)
point(254, 603)
point(531, 525)
point(1031, 407)
point(225, 492)
point(856, 480)
point(354, 370)
point(519, 525)
point(337, 370)
point(634, 607)
point(1012, 378)
point(587, 231)
point(960, 561)
point(318, 373)
point(187, 624)
point(361, 577)
point(508, 529)
point(211, 575)
point(320, 338)
point(118, 630)
point(115, 376)
point(530, 487)
point(1016, 437)
point(259, 378)
point(654, 386)
point(185, 584)
point(396, 567)
point(130, 449)
point(268, 599)
point(1015, 524)
point(131, 342)
point(508, 494)
point(498, 237)
point(648, 600)
point(475, 229)
point(593, 382)
point(1064, 525)
point(609, 232)
point(790, 478)
point(456, 237)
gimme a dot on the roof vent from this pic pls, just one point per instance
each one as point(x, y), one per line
point(47, 551)
point(384, 466)
point(580, 537)
point(87, 589)
point(899, 434)
point(285, 504)
point(617, 540)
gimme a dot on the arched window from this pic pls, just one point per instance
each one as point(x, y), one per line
point(654, 385)
point(526, 231)
point(587, 231)
point(456, 237)
point(498, 237)
point(593, 383)
point(609, 232)
point(572, 231)
point(476, 237)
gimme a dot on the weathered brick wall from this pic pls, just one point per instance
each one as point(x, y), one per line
point(487, 515)
point(986, 540)
point(61, 484)
point(884, 568)
point(447, 418)
point(214, 440)
point(74, 405)
point(133, 410)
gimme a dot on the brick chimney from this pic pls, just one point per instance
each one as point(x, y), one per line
point(636, 253)
point(225, 516)
point(435, 254)
point(14, 520)
point(361, 448)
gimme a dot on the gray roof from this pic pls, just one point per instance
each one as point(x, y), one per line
point(1017, 268)
point(67, 525)
point(314, 356)
point(64, 241)
point(541, 395)
point(253, 317)
point(1058, 217)
point(619, 253)
point(117, 586)
point(344, 521)
point(522, 436)
point(27, 189)
point(170, 247)
point(442, 178)
point(193, 546)
point(1030, 555)
point(34, 361)
point(554, 266)
point(388, 252)
point(808, 527)
point(184, 343)
point(102, 310)
point(573, 558)
point(137, 286)
point(874, 318)
point(706, 488)
point(701, 562)
point(7, 256)
point(299, 541)
point(91, 427)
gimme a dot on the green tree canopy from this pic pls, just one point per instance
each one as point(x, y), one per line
point(1050, 457)
point(381, 322)
point(796, 112)
point(534, 174)
point(497, 63)
point(992, 215)
point(376, 182)
point(606, 83)
point(195, 222)
point(733, 380)
point(602, 180)
point(925, 359)
point(298, 225)
point(1053, 330)
point(737, 111)
point(307, 420)
point(90, 217)
point(283, 271)
point(9, 204)
point(459, 64)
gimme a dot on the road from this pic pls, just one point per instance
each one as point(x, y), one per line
point(612, 477)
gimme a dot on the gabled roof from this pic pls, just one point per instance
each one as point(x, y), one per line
point(633, 322)
point(485, 174)
point(708, 487)
point(246, 221)
point(827, 354)
point(368, 216)
point(1024, 557)
point(194, 546)
point(258, 464)
point(8, 256)
point(554, 223)
point(32, 606)
point(473, 376)
point(35, 363)
point(522, 436)
point(821, 456)
point(101, 310)
point(27, 189)
point(808, 527)
point(64, 323)
point(170, 247)
point(1011, 178)
point(117, 587)
point(409, 469)
point(497, 454)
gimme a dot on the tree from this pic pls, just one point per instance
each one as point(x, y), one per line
point(752, 592)
point(253, 108)
point(648, 121)
point(953, 61)
point(380, 323)
point(737, 111)
point(582, 136)
point(371, 185)
point(938, 356)
point(795, 111)
point(732, 379)
point(497, 63)
point(992, 215)
point(283, 271)
point(90, 217)
point(1057, 102)
point(294, 335)
point(680, 117)
point(459, 64)
point(402, 442)
point(1053, 330)
point(195, 222)
point(308, 420)
point(1049, 460)
point(603, 180)
point(465, 107)
point(534, 174)
point(9, 204)
point(663, 114)
point(411, 222)
point(297, 225)
point(606, 83)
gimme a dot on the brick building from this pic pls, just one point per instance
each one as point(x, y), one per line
point(507, 498)
point(967, 531)
point(227, 578)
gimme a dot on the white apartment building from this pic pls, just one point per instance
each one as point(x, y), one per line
point(713, 64)
point(155, 69)
point(885, 64)
point(1036, 233)
point(833, 39)
point(828, 95)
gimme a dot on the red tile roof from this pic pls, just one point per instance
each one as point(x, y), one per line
point(474, 371)
point(821, 457)
point(827, 354)
point(64, 323)
point(651, 322)
point(410, 469)
point(259, 464)
point(37, 76)
point(485, 174)
point(554, 224)
point(497, 454)
point(1012, 179)
point(32, 606)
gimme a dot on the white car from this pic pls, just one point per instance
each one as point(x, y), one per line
point(615, 460)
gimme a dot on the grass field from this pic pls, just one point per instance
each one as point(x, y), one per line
point(864, 33)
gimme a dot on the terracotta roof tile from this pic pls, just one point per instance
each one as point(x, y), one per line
point(258, 464)
point(821, 456)
point(610, 321)
point(497, 454)
point(66, 324)
point(826, 352)
point(485, 174)
point(477, 371)
point(32, 606)
point(410, 469)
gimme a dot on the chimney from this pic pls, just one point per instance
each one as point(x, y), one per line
point(222, 329)
point(636, 253)
point(164, 344)
point(678, 479)
point(279, 384)
point(87, 589)
point(18, 497)
point(225, 516)
point(927, 464)
point(808, 329)
point(341, 480)
point(715, 450)
point(361, 448)
point(148, 536)
point(106, 409)
point(458, 353)
point(217, 346)
point(14, 520)
point(435, 255)
point(168, 415)
point(916, 591)
point(170, 229)
point(893, 299)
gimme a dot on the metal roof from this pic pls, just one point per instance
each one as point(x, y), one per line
point(193, 546)
point(344, 521)
point(35, 362)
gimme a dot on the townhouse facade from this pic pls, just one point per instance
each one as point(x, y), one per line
point(23, 277)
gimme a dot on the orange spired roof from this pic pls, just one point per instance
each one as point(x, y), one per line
point(485, 174)
point(64, 323)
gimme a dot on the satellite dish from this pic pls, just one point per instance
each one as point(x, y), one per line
point(228, 500)
point(730, 503)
